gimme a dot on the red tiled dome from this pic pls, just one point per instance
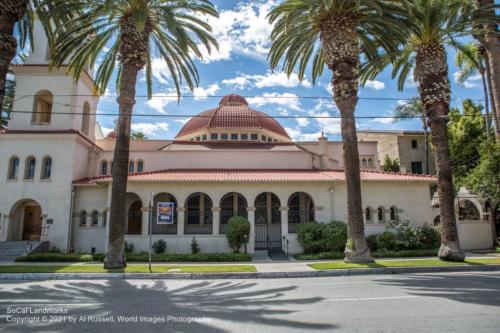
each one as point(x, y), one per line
point(233, 112)
point(111, 135)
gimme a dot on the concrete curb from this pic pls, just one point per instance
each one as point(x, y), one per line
point(256, 275)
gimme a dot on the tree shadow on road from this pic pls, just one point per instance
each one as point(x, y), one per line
point(228, 304)
point(476, 288)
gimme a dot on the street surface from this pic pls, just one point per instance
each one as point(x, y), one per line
point(437, 302)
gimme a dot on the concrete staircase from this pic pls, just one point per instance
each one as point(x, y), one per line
point(10, 250)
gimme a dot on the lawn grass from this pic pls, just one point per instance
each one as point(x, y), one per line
point(129, 269)
point(405, 263)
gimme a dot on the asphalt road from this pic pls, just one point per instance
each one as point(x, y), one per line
point(450, 302)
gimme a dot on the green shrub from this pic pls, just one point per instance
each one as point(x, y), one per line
point(159, 246)
point(129, 247)
point(372, 242)
point(430, 237)
point(238, 229)
point(382, 253)
point(322, 237)
point(195, 248)
point(387, 240)
point(59, 257)
point(189, 257)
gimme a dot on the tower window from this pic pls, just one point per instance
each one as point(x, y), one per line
point(254, 136)
point(234, 136)
point(414, 144)
point(131, 167)
point(30, 168)
point(86, 118)
point(214, 136)
point(244, 137)
point(42, 108)
point(47, 168)
point(104, 168)
point(140, 166)
point(13, 167)
point(224, 136)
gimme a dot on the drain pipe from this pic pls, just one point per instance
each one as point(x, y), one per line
point(70, 229)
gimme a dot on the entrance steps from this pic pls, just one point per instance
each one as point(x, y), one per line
point(278, 255)
point(10, 250)
point(261, 256)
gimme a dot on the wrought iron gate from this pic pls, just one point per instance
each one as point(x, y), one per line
point(267, 236)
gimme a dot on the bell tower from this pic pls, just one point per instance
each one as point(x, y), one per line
point(52, 100)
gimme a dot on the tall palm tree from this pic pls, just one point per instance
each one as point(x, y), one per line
point(128, 32)
point(490, 38)
point(431, 26)
point(410, 110)
point(8, 100)
point(470, 60)
point(336, 33)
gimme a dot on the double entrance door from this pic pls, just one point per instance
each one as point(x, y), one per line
point(32, 224)
point(267, 236)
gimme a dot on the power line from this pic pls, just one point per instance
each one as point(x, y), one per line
point(244, 117)
point(245, 96)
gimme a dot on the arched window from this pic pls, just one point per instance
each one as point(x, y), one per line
point(42, 107)
point(131, 167)
point(363, 162)
point(267, 208)
point(437, 221)
point(13, 167)
point(232, 204)
point(169, 229)
point(104, 168)
point(393, 213)
point(198, 215)
point(370, 163)
point(46, 167)
point(83, 218)
point(380, 215)
point(95, 218)
point(300, 210)
point(86, 118)
point(368, 215)
point(29, 170)
point(140, 166)
point(467, 210)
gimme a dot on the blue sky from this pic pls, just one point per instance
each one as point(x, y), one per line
point(240, 66)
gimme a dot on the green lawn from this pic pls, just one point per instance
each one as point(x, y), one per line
point(129, 269)
point(404, 263)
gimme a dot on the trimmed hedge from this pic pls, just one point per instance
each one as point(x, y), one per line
point(376, 254)
point(189, 257)
point(138, 257)
point(322, 237)
point(60, 257)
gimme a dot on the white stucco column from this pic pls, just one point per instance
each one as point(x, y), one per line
point(180, 220)
point(3, 227)
point(145, 221)
point(44, 235)
point(216, 220)
point(284, 220)
point(251, 239)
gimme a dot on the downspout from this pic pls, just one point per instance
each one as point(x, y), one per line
point(70, 229)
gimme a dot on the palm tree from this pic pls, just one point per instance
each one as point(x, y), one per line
point(10, 91)
point(491, 41)
point(470, 60)
point(336, 33)
point(410, 110)
point(128, 32)
point(431, 26)
point(138, 136)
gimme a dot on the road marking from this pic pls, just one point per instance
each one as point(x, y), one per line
point(368, 298)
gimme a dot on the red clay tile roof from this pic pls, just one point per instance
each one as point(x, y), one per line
point(233, 112)
point(257, 176)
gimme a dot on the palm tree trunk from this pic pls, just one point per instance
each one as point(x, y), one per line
point(117, 224)
point(434, 89)
point(486, 102)
point(341, 52)
point(492, 44)
point(496, 118)
point(10, 12)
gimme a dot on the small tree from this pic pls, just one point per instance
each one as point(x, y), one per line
point(238, 228)
point(195, 248)
point(390, 165)
point(159, 246)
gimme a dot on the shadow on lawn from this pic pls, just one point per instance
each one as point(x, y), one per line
point(236, 303)
point(475, 288)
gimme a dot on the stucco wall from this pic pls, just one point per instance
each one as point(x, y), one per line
point(475, 235)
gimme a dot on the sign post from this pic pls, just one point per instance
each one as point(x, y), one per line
point(150, 229)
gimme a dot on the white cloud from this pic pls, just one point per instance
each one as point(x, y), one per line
point(160, 101)
point(160, 70)
point(202, 93)
point(383, 120)
point(150, 129)
point(244, 30)
point(302, 122)
point(470, 82)
point(106, 130)
point(182, 121)
point(270, 79)
point(288, 100)
point(374, 84)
